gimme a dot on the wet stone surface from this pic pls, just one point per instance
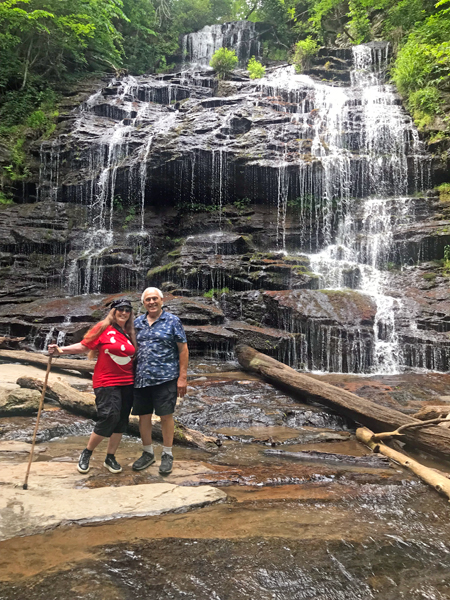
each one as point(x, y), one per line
point(316, 528)
point(54, 423)
point(396, 548)
point(216, 406)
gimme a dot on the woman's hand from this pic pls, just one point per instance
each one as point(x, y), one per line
point(72, 349)
point(54, 349)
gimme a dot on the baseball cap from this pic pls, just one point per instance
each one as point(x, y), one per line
point(121, 303)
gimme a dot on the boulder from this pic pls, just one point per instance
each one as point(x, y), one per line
point(19, 402)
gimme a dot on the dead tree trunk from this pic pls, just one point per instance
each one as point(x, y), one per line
point(433, 439)
point(34, 358)
point(82, 403)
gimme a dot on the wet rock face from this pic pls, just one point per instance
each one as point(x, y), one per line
point(332, 328)
point(223, 260)
point(231, 190)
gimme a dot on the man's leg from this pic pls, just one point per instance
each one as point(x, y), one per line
point(148, 455)
point(145, 429)
point(168, 428)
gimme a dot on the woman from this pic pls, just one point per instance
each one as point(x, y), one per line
point(113, 341)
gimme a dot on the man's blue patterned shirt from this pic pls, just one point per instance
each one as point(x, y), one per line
point(157, 353)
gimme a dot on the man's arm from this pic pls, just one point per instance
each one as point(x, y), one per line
point(183, 353)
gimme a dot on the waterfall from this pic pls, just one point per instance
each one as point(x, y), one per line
point(367, 150)
point(325, 170)
point(241, 36)
point(114, 153)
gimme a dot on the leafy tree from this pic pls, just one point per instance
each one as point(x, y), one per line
point(303, 53)
point(422, 67)
point(255, 68)
point(140, 38)
point(51, 38)
point(223, 62)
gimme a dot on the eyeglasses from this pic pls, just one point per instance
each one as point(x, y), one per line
point(124, 309)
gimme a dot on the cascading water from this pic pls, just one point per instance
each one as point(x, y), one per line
point(199, 47)
point(119, 120)
point(356, 233)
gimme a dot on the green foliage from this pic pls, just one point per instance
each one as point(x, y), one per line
point(50, 38)
point(131, 215)
point(444, 193)
point(118, 204)
point(216, 292)
point(194, 207)
point(140, 38)
point(255, 68)
point(5, 200)
point(223, 62)
point(446, 266)
point(304, 50)
point(242, 203)
point(447, 253)
point(422, 67)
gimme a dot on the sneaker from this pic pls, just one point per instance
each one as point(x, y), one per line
point(111, 464)
point(147, 459)
point(166, 464)
point(83, 461)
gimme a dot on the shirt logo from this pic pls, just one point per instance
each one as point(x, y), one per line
point(119, 360)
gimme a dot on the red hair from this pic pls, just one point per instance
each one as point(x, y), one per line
point(100, 327)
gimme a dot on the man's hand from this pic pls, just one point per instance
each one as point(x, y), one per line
point(181, 387)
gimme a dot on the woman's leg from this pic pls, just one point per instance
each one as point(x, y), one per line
point(113, 443)
point(94, 441)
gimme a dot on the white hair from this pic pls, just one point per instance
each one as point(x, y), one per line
point(151, 289)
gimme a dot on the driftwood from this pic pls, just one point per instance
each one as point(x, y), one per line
point(82, 403)
point(371, 461)
point(10, 342)
point(413, 425)
point(432, 412)
point(437, 480)
point(433, 439)
point(34, 358)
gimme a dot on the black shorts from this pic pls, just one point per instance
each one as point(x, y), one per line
point(160, 398)
point(113, 409)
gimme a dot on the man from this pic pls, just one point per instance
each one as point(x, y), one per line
point(161, 376)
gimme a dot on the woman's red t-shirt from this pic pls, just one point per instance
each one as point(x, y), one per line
point(115, 359)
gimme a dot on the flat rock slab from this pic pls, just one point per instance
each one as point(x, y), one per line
point(44, 475)
point(20, 447)
point(26, 512)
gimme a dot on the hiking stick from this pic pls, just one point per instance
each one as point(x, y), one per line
point(41, 404)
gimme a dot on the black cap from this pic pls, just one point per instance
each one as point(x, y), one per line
point(121, 303)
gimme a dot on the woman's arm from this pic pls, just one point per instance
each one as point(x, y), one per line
point(72, 349)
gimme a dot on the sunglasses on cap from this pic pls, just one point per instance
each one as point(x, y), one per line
point(121, 304)
point(125, 309)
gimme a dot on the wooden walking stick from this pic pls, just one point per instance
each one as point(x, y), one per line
point(41, 404)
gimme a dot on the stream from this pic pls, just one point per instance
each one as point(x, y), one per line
point(319, 529)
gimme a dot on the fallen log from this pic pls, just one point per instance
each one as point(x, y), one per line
point(34, 358)
point(432, 412)
point(82, 403)
point(372, 461)
point(437, 480)
point(434, 439)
